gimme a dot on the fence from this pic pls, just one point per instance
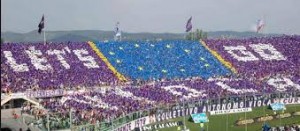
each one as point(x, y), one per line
point(58, 121)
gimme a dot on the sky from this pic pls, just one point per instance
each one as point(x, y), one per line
point(157, 16)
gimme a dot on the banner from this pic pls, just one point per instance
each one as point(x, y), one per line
point(200, 118)
point(159, 126)
point(231, 111)
point(217, 108)
point(239, 104)
point(277, 106)
point(44, 93)
point(134, 124)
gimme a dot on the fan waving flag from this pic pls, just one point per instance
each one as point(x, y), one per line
point(41, 25)
point(260, 25)
point(189, 25)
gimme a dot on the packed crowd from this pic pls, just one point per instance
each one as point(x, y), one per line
point(167, 59)
point(114, 102)
point(52, 66)
point(261, 57)
point(56, 121)
point(72, 65)
point(174, 73)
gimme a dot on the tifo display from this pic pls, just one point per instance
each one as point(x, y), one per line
point(101, 81)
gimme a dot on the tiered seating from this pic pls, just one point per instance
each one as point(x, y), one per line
point(116, 101)
point(264, 65)
point(51, 66)
point(162, 59)
point(261, 57)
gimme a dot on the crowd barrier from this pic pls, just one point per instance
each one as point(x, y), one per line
point(142, 118)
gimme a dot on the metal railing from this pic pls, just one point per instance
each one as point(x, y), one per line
point(54, 121)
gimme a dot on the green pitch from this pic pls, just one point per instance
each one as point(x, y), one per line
point(218, 122)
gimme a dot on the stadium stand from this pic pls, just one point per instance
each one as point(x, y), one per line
point(91, 76)
point(118, 101)
point(261, 57)
point(162, 59)
point(52, 66)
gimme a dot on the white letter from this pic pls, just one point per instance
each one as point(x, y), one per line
point(236, 91)
point(59, 56)
point(245, 55)
point(89, 60)
point(281, 83)
point(192, 92)
point(120, 92)
point(39, 62)
point(13, 64)
point(272, 53)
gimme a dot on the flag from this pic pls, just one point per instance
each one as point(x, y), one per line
point(118, 34)
point(189, 25)
point(41, 25)
point(260, 25)
point(117, 31)
point(117, 27)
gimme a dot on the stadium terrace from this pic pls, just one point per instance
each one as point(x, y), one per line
point(101, 81)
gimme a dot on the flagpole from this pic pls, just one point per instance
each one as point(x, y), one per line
point(245, 112)
point(44, 31)
point(226, 113)
point(120, 36)
point(264, 96)
point(44, 37)
point(184, 127)
point(262, 31)
point(189, 28)
point(193, 34)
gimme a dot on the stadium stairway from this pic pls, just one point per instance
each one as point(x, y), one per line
point(5, 100)
point(14, 96)
point(7, 121)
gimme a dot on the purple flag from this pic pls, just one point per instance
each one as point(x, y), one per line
point(189, 25)
point(41, 25)
point(260, 25)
